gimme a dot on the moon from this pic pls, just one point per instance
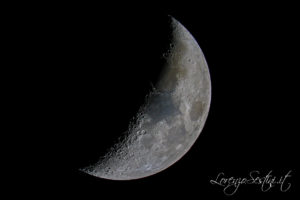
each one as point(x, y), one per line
point(170, 120)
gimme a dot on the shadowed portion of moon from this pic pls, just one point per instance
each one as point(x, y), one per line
point(170, 120)
point(103, 79)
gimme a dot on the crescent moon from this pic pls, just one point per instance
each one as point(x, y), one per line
point(171, 119)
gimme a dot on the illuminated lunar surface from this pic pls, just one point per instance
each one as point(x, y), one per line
point(171, 119)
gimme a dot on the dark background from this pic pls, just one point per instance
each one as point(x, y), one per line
point(94, 64)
